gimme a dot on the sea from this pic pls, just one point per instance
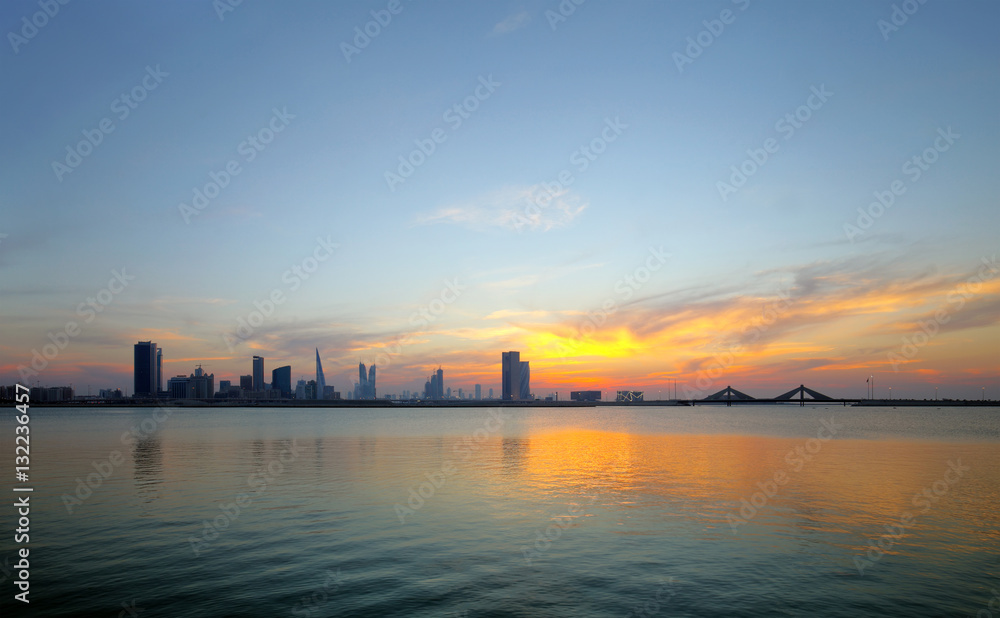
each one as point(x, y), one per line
point(753, 510)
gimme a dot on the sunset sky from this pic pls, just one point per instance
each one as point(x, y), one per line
point(573, 191)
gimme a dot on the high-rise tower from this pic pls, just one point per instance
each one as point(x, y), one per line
point(144, 374)
point(510, 366)
point(258, 373)
point(320, 378)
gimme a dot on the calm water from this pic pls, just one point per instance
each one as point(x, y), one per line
point(703, 511)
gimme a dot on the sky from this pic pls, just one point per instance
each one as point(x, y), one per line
point(746, 193)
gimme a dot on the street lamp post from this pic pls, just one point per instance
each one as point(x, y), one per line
point(890, 393)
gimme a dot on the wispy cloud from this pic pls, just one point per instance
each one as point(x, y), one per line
point(512, 23)
point(514, 208)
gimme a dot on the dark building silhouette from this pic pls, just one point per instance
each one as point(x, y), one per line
point(510, 375)
point(145, 372)
point(281, 379)
point(320, 378)
point(258, 373)
point(365, 389)
point(585, 396)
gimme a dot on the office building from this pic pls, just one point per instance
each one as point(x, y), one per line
point(281, 380)
point(320, 378)
point(365, 388)
point(434, 389)
point(491, 393)
point(300, 389)
point(510, 370)
point(525, 381)
point(198, 385)
point(585, 396)
point(479, 392)
point(246, 383)
point(159, 369)
point(145, 376)
point(258, 374)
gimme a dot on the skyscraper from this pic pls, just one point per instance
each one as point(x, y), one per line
point(144, 372)
point(258, 373)
point(159, 369)
point(281, 379)
point(320, 378)
point(440, 383)
point(525, 381)
point(366, 383)
point(510, 366)
point(479, 392)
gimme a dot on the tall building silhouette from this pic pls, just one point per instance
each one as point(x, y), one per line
point(510, 370)
point(258, 373)
point(365, 388)
point(159, 370)
point(144, 370)
point(525, 381)
point(479, 392)
point(281, 379)
point(320, 378)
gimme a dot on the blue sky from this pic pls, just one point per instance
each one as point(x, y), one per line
point(655, 185)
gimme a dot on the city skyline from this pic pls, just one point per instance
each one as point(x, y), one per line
point(585, 189)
